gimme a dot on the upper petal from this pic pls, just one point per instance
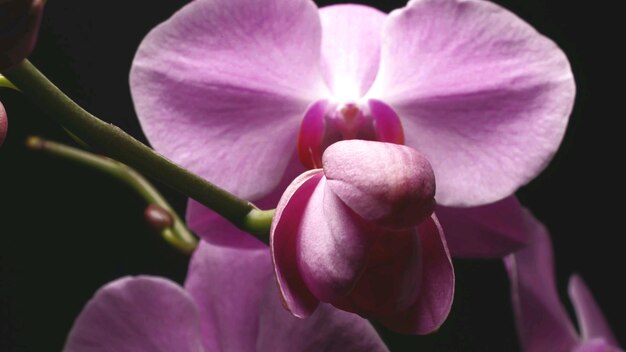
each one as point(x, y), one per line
point(138, 314)
point(590, 318)
point(389, 184)
point(327, 329)
point(221, 86)
point(479, 91)
point(227, 286)
point(487, 231)
point(350, 48)
point(542, 322)
point(437, 285)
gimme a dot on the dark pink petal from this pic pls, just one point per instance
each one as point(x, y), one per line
point(590, 318)
point(437, 285)
point(19, 27)
point(387, 123)
point(228, 284)
point(542, 322)
point(332, 245)
point(215, 229)
point(311, 135)
point(141, 314)
point(284, 244)
point(4, 124)
point(327, 329)
point(389, 184)
point(479, 91)
point(220, 88)
point(351, 37)
point(487, 231)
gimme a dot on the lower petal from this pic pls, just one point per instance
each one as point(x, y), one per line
point(542, 322)
point(138, 314)
point(486, 231)
point(590, 318)
point(327, 329)
point(226, 286)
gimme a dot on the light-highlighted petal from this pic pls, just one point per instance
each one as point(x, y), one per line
point(483, 95)
point(219, 79)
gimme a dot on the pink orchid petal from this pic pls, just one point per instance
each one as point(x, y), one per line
point(227, 285)
point(284, 241)
point(219, 79)
point(542, 322)
point(389, 184)
point(351, 37)
point(437, 285)
point(479, 91)
point(311, 135)
point(590, 318)
point(4, 123)
point(596, 345)
point(332, 248)
point(327, 329)
point(213, 228)
point(138, 314)
point(488, 231)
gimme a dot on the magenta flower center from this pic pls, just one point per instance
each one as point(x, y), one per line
point(325, 123)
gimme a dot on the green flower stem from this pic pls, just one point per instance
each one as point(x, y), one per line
point(120, 146)
point(177, 234)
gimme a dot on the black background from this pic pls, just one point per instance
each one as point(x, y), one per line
point(66, 230)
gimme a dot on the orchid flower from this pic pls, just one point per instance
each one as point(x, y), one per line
point(228, 303)
point(543, 324)
point(360, 234)
point(20, 21)
point(238, 91)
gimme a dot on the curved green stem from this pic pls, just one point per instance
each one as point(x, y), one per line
point(177, 234)
point(120, 146)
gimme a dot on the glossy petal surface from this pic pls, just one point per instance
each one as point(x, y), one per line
point(591, 321)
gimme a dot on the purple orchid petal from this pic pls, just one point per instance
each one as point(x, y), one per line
point(327, 329)
point(220, 78)
point(389, 184)
point(350, 48)
point(596, 345)
point(590, 318)
point(311, 135)
point(138, 314)
point(489, 231)
point(479, 91)
point(215, 229)
point(284, 241)
point(228, 284)
point(542, 322)
point(332, 249)
point(437, 285)
point(4, 123)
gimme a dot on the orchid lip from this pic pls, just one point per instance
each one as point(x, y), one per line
point(326, 122)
